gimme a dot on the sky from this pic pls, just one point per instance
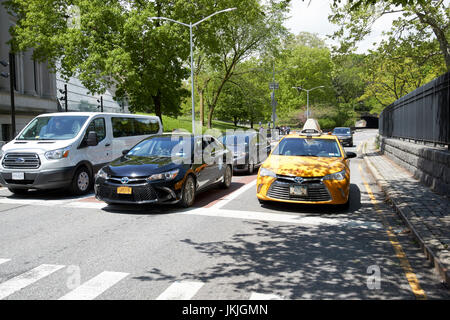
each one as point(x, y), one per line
point(312, 16)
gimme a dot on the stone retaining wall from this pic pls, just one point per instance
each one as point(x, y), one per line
point(430, 165)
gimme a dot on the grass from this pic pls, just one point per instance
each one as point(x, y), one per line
point(185, 123)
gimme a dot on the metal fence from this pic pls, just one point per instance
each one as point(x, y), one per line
point(422, 115)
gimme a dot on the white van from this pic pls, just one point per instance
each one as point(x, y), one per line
point(66, 149)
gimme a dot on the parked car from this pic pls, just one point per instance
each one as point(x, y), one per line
point(345, 135)
point(65, 150)
point(249, 149)
point(167, 169)
point(308, 167)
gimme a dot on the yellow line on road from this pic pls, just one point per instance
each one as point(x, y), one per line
point(404, 262)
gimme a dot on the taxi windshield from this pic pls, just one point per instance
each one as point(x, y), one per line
point(307, 147)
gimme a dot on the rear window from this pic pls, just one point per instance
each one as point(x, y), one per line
point(127, 126)
point(307, 147)
point(341, 131)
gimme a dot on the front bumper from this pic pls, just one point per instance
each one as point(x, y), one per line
point(42, 180)
point(346, 141)
point(145, 193)
point(324, 192)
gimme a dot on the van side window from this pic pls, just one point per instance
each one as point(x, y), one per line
point(126, 127)
point(97, 125)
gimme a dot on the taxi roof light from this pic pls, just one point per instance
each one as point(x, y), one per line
point(311, 128)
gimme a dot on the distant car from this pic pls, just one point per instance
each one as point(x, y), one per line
point(249, 150)
point(344, 135)
point(167, 168)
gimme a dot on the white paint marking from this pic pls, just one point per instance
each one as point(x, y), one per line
point(94, 287)
point(183, 290)
point(25, 279)
point(234, 195)
point(4, 260)
point(265, 216)
point(264, 296)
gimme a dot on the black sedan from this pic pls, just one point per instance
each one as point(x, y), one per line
point(345, 135)
point(250, 149)
point(167, 168)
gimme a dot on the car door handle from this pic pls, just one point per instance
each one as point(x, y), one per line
point(107, 145)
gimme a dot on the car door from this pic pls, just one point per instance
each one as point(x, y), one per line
point(100, 154)
point(219, 154)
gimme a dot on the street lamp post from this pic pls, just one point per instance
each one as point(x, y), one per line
point(307, 96)
point(11, 89)
point(191, 26)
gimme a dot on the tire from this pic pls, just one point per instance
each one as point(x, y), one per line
point(227, 176)
point(18, 191)
point(82, 181)
point(188, 192)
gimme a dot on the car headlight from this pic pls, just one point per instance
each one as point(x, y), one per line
point(263, 172)
point(102, 174)
point(170, 175)
point(335, 176)
point(57, 154)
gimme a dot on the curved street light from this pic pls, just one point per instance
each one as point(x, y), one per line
point(307, 96)
point(191, 25)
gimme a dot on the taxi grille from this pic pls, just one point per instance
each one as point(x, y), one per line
point(21, 161)
point(316, 192)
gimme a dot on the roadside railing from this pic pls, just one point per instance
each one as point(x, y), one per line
point(422, 115)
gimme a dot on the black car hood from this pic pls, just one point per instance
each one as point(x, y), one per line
point(140, 166)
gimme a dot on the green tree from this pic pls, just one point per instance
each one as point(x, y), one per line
point(420, 21)
point(113, 45)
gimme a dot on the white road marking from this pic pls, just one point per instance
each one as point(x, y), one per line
point(4, 260)
point(94, 287)
point(181, 290)
point(266, 216)
point(264, 296)
point(234, 195)
point(25, 279)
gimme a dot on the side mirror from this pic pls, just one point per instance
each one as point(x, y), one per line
point(353, 132)
point(349, 155)
point(92, 139)
point(125, 152)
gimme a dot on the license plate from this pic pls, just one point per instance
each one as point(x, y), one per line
point(298, 191)
point(18, 176)
point(124, 190)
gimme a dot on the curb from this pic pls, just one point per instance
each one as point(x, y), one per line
point(442, 270)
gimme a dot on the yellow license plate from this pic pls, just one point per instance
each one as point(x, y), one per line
point(124, 190)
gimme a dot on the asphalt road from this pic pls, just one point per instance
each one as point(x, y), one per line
point(228, 246)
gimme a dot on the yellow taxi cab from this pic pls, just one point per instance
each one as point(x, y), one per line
point(306, 167)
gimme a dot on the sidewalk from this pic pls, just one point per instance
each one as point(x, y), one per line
point(426, 213)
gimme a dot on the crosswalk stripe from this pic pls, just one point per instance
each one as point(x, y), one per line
point(264, 296)
point(4, 260)
point(25, 279)
point(96, 286)
point(181, 290)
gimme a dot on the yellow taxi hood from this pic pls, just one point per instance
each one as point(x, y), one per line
point(303, 166)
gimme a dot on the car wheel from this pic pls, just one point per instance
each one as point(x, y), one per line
point(82, 181)
point(18, 191)
point(188, 192)
point(227, 176)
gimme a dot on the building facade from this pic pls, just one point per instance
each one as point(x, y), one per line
point(36, 88)
point(34, 85)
